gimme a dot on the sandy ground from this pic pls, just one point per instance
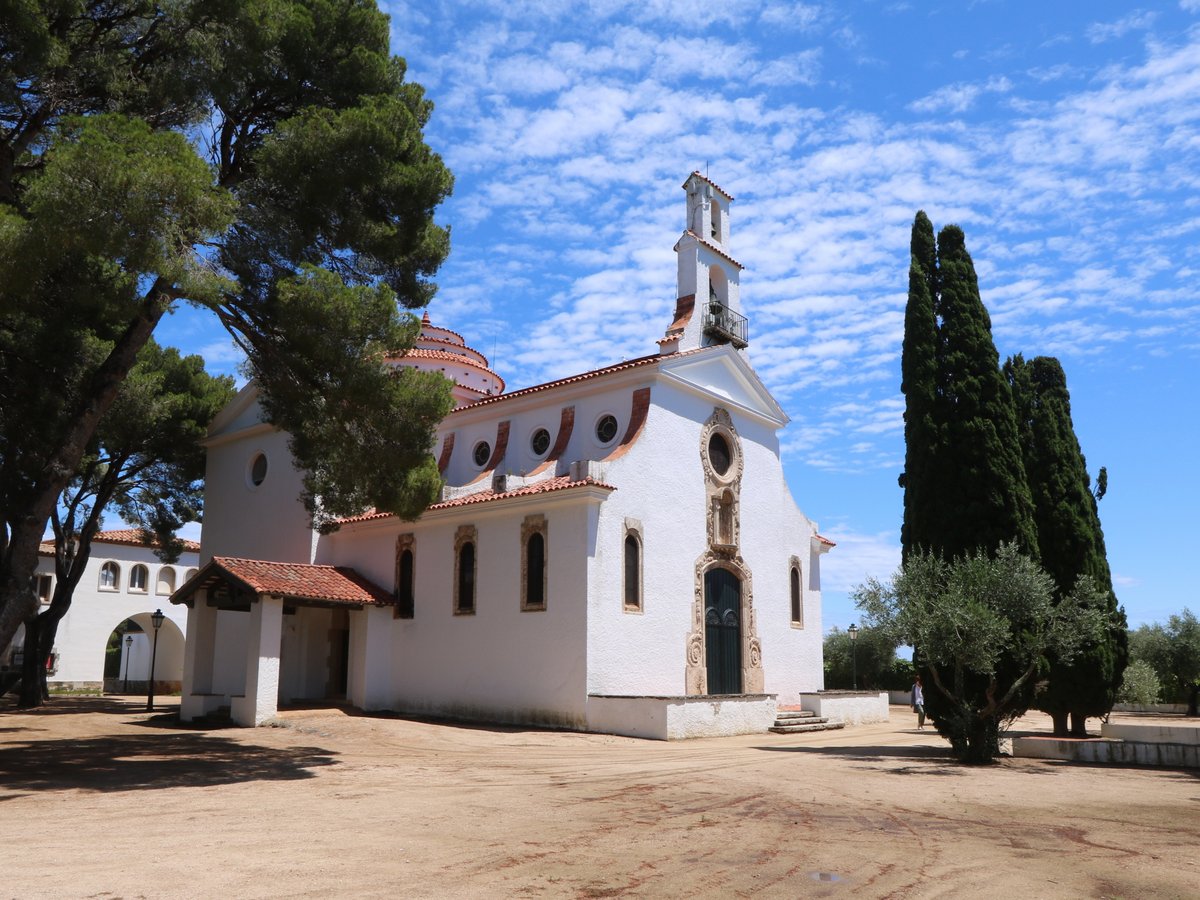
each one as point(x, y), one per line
point(100, 799)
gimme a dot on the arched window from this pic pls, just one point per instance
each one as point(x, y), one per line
point(633, 572)
point(716, 222)
point(191, 573)
point(405, 570)
point(794, 583)
point(110, 577)
point(137, 579)
point(533, 563)
point(166, 581)
point(464, 574)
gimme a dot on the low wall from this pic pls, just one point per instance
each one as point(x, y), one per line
point(900, 698)
point(851, 707)
point(1128, 753)
point(679, 718)
point(1178, 709)
point(1151, 733)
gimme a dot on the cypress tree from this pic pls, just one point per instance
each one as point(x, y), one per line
point(964, 479)
point(1070, 539)
point(918, 368)
point(980, 470)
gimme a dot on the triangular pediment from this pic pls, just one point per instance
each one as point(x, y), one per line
point(725, 373)
point(238, 414)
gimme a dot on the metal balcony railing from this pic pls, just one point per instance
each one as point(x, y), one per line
point(724, 324)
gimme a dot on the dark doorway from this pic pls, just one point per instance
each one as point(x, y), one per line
point(723, 631)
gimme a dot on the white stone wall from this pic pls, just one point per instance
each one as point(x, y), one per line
point(266, 521)
point(661, 485)
point(502, 663)
point(84, 631)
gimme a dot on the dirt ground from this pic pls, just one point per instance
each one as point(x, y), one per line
point(100, 799)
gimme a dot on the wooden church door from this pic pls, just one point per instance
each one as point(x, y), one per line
point(723, 631)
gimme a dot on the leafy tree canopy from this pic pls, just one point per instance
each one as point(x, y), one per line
point(872, 654)
point(1173, 651)
point(980, 618)
point(146, 463)
point(261, 159)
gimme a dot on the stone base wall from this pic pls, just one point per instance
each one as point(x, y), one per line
point(851, 707)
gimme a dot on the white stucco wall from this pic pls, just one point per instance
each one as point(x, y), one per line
point(661, 485)
point(502, 663)
point(84, 631)
point(266, 521)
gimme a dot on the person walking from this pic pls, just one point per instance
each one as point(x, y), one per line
point(918, 703)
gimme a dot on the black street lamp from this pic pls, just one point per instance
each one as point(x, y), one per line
point(853, 632)
point(156, 619)
point(128, 647)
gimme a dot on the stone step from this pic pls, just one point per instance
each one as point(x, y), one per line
point(790, 714)
point(819, 725)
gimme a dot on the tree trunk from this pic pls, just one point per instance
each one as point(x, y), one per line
point(983, 742)
point(1193, 697)
point(17, 600)
point(1078, 724)
point(1060, 723)
point(31, 677)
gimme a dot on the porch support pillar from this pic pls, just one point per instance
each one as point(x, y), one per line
point(261, 700)
point(200, 644)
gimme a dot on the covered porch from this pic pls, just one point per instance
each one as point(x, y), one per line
point(260, 633)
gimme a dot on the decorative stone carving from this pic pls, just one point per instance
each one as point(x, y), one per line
point(723, 480)
point(696, 675)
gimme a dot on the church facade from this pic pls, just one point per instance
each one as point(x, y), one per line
point(615, 551)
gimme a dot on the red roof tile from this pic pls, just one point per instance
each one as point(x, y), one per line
point(128, 536)
point(558, 483)
point(727, 195)
point(583, 376)
point(338, 584)
point(714, 248)
point(824, 540)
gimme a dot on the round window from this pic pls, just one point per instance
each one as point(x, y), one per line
point(540, 442)
point(718, 453)
point(606, 429)
point(483, 452)
point(258, 469)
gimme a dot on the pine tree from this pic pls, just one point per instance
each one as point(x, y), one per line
point(1070, 539)
point(918, 367)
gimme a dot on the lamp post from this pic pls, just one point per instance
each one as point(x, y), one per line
point(128, 648)
point(853, 632)
point(156, 619)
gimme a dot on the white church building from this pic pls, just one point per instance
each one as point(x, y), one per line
point(617, 551)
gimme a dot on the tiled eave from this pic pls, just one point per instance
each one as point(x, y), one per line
point(297, 584)
point(548, 486)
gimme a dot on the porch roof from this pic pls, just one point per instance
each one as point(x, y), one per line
point(299, 584)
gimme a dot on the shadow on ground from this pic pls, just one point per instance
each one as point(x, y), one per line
point(938, 759)
point(71, 705)
point(151, 761)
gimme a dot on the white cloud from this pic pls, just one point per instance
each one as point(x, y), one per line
point(1139, 20)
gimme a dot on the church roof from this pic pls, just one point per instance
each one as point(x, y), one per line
point(298, 582)
point(582, 376)
point(547, 486)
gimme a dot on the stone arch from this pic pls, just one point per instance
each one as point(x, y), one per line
point(696, 676)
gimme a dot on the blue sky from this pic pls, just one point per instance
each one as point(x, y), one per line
point(1063, 137)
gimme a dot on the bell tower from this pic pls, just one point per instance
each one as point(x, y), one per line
point(708, 308)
